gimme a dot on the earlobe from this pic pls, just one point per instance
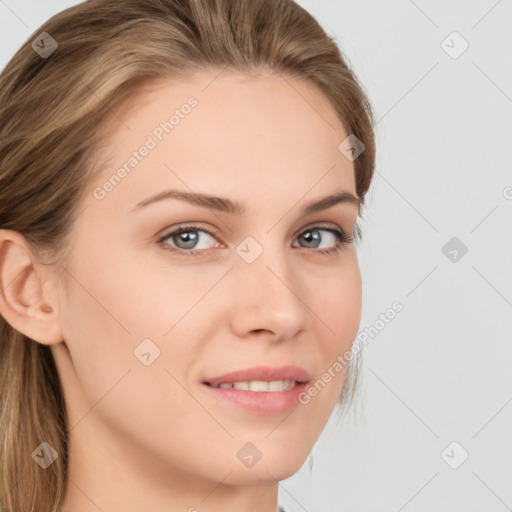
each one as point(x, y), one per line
point(23, 281)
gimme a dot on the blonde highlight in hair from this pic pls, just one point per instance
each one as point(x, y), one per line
point(54, 115)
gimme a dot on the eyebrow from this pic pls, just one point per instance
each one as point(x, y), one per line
point(225, 205)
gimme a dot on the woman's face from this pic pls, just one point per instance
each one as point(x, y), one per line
point(153, 319)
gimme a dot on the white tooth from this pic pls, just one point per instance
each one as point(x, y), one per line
point(276, 385)
point(258, 385)
point(241, 385)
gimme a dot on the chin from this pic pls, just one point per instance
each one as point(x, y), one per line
point(279, 466)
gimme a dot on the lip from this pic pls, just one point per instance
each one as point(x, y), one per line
point(260, 402)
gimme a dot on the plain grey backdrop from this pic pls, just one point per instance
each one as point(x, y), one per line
point(432, 425)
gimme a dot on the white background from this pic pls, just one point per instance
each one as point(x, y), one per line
point(441, 370)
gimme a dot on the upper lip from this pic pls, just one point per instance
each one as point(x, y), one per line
point(263, 373)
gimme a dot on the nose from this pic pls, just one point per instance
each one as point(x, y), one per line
point(268, 298)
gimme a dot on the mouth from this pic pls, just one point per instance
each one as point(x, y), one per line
point(262, 374)
point(257, 386)
point(260, 390)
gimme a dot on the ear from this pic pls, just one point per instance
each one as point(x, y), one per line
point(27, 296)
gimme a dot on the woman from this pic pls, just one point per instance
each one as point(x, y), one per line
point(181, 184)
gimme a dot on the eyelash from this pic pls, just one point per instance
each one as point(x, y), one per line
point(342, 239)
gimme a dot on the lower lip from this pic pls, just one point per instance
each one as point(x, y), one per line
point(261, 402)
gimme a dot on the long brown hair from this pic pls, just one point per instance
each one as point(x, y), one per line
point(52, 112)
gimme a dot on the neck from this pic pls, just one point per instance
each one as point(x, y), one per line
point(112, 479)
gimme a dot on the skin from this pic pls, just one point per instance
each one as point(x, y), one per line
point(150, 437)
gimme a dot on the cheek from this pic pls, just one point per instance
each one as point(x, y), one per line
point(110, 311)
point(106, 319)
point(97, 327)
point(337, 303)
point(116, 308)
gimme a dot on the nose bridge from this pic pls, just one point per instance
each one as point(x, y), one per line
point(268, 290)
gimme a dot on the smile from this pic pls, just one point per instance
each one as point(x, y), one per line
point(259, 385)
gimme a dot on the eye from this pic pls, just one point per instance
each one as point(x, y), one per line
point(192, 240)
point(185, 238)
point(312, 237)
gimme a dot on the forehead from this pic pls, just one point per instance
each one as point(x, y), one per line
point(229, 133)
